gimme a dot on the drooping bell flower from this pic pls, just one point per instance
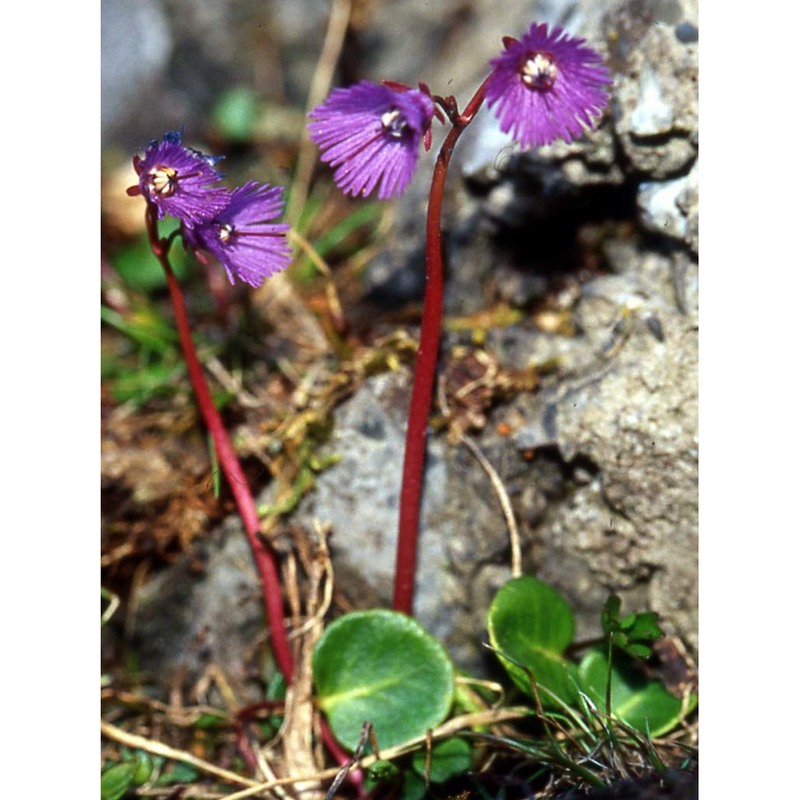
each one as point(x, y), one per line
point(370, 134)
point(244, 236)
point(179, 181)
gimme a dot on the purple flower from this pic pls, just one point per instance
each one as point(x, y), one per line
point(546, 85)
point(177, 180)
point(242, 236)
point(370, 133)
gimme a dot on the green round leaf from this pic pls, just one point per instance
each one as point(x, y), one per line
point(413, 787)
point(383, 667)
point(116, 780)
point(642, 703)
point(530, 625)
point(144, 768)
point(642, 626)
point(449, 757)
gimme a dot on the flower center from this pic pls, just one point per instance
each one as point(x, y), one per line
point(225, 233)
point(393, 123)
point(539, 71)
point(164, 180)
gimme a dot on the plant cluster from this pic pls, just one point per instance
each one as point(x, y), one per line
point(381, 681)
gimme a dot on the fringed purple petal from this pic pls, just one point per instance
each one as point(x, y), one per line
point(547, 86)
point(370, 134)
point(244, 237)
point(178, 181)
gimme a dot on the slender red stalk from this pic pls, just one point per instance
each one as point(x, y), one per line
point(241, 719)
point(264, 557)
point(425, 371)
point(355, 776)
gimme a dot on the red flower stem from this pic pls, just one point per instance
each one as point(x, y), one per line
point(264, 557)
point(425, 371)
point(355, 776)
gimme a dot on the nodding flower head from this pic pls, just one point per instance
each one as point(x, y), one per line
point(370, 134)
point(177, 180)
point(546, 86)
point(243, 236)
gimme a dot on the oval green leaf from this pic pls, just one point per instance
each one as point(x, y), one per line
point(642, 703)
point(116, 780)
point(531, 625)
point(383, 667)
point(448, 757)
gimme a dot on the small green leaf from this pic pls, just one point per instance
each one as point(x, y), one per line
point(383, 667)
point(382, 771)
point(448, 758)
point(144, 768)
point(618, 639)
point(642, 703)
point(178, 772)
point(633, 632)
point(642, 627)
point(209, 721)
point(531, 625)
point(413, 787)
point(116, 780)
point(637, 650)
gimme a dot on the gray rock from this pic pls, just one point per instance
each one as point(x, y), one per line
point(135, 47)
point(358, 497)
point(205, 609)
point(632, 529)
point(654, 99)
point(670, 207)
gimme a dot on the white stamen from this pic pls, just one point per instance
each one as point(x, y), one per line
point(163, 180)
point(393, 123)
point(225, 233)
point(539, 71)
